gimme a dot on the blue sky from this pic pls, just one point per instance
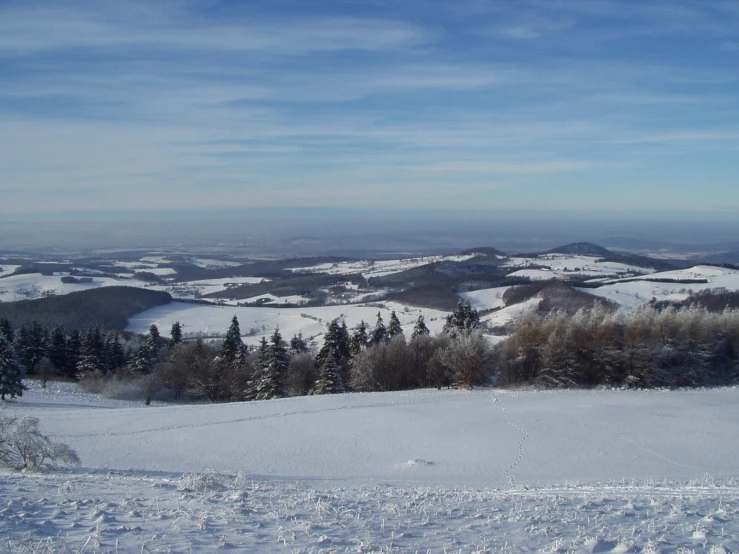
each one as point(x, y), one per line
point(499, 105)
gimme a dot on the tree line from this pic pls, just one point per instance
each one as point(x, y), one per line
point(655, 346)
point(362, 359)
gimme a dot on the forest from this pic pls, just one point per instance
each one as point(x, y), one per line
point(659, 345)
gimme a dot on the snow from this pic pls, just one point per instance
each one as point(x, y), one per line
point(461, 471)
point(193, 289)
point(160, 271)
point(210, 263)
point(34, 285)
point(565, 266)
point(506, 315)
point(378, 268)
point(258, 322)
point(485, 299)
point(634, 293)
point(6, 269)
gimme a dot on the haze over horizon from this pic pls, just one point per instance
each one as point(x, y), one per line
point(550, 106)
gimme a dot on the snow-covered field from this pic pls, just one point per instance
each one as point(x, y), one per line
point(565, 266)
point(485, 299)
point(454, 471)
point(634, 293)
point(34, 285)
point(259, 322)
point(378, 268)
point(194, 289)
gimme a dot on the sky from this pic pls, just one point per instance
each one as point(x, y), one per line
point(467, 105)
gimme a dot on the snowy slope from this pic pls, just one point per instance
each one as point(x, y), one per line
point(379, 268)
point(35, 285)
point(455, 471)
point(631, 294)
point(483, 438)
point(565, 266)
point(258, 322)
point(485, 299)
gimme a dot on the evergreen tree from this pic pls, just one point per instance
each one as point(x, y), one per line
point(30, 345)
point(11, 371)
point(90, 360)
point(6, 330)
point(330, 381)
point(277, 360)
point(139, 362)
point(58, 349)
point(379, 334)
point(114, 356)
point(359, 340)
point(74, 352)
point(394, 329)
point(175, 335)
point(464, 319)
point(153, 339)
point(420, 329)
point(232, 343)
point(331, 360)
point(298, 345)
point(335, 343)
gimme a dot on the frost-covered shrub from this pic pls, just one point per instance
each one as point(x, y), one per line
point(209, 480)
point(23, 446)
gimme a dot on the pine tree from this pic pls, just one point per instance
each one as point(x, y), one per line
point(394, 328)
point(464, 319)
point(420, 329)
point(359, 340)
point(6, 330)
point(30, 345)
point(11, 371)
point(260, 366)
point(74, 352)
point(90, 360)
point(153, 339)
point(275, 364)
point(58, 349)
point(335, 343)
point(114, 356)
point(330, 381)
point(331, 360)
point(379, 334)
point(298, 345)
point(175, 335)
point(232, 343)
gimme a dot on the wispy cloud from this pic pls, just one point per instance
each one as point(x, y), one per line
point(336, 103)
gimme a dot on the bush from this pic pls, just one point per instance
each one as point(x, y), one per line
point(23, 446)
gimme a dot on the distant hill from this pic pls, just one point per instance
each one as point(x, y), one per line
point(721, 258)
point(108, 308)
point(581, 249)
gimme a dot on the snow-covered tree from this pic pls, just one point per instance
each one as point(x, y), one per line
point(332, 360)
point(394, 328)
point(232, 343)
point(274, 372)
point(329, 380)
point(420, 329)
point(175, 334)
point(358, 340)
point(464, 318)
point(379, 333)
point(11, 371)
point(298, 344)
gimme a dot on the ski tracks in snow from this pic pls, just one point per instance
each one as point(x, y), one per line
point(508, 472)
